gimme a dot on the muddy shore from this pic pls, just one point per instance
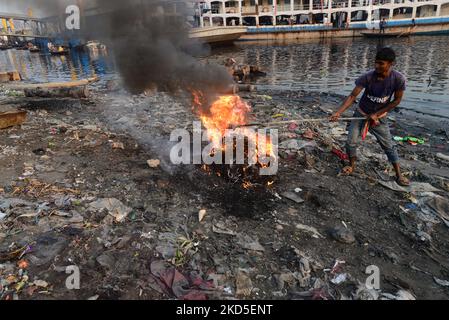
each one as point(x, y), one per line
point(76, 189)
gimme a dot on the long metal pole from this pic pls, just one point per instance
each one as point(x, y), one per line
point(297, 121)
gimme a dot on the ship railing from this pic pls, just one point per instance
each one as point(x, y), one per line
point(286, 7)
point(301, 6)
point(319, 6)
point(381, 2)
point(404, 1)
point(340, 3)
point(359, 3)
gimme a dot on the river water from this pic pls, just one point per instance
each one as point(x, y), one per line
point(329, 65)
point(43, 67)
point(332, 65)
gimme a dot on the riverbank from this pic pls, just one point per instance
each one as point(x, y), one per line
point(284, 243)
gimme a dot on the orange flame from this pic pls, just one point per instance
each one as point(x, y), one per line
point(247, 185)
point(226, 112)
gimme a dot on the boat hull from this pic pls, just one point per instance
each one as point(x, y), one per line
point(385, 35)
point(59, 53)
point(435, 26)
point(217, 35)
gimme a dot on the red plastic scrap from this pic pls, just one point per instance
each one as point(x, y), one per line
point(338, 267)
point(182, 287)
point(368, 124)
point(194, 295)
point(292, 126)
point(340, 154)
point(319, 294)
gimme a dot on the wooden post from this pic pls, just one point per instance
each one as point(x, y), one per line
point(14, 76)
point(4, 77)
point(77, 93)
point(12, 118)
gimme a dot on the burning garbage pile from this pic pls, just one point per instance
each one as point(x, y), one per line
point(236, 152)
point(240, 161)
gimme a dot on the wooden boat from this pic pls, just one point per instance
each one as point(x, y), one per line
point(3, 48)
point(217, 35)
point(35, 49)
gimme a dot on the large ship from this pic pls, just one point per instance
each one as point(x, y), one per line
point(295, 19)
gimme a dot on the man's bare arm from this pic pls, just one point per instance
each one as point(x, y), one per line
point(347, 103)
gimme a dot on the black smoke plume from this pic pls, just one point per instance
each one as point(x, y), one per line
point(150, 42)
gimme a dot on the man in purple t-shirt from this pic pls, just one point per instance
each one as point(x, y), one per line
point(380, 86)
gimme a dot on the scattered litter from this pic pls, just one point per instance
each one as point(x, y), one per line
point(309, 134)
point(441, 207)
point(265, 97)
point(295, 144)
point(292, 196)
point(118, 145)
point(413, 187)
point(72, 225)
point(153, 163)
point(342, 235)
point(292, 127)
point(337, 268)
point(40, 283)
point(23, 264)
point(221, 229)
point(183, 287)
point(423, 236)
point(410, 140)
point(310, 229)
point(338, 131)
point(227, 290)
point(363, 293)
point(243, 284)
point(114, 207)
point(442, 156)
point(201, 215)
point(400, 295)
point(410, 206)
point(339, 278)
point(443, 283)
point(246, 242)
